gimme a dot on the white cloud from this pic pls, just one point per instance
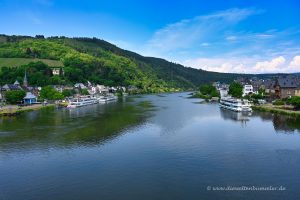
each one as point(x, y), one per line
point(213, 42)
point(186, 33)
point(294, 65)
point(231, 38)
point(274, 65)
point(205, 44)
point(245, 65)
point(295, 61)
point(263, 36)
point(234, 65)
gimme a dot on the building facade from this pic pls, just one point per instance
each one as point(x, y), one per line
point(247, 89)
point(287, 86)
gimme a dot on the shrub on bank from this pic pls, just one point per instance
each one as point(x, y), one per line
point(200, 95)
point(295, 101)
point(278, 102)
point(15, 96)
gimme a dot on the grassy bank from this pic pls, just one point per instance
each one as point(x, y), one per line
point(276, 109)
point(200, 95)
point(16, 110)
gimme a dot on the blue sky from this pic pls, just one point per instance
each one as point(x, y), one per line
point(228, 36)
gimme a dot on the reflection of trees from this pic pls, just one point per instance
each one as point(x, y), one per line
point(87, 125)
point(281, 122)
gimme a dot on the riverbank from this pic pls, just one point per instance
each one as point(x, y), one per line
point(285, 110)
point(13, 110)
point(199, 95)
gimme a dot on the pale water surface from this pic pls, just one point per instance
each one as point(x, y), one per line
point(148, 147)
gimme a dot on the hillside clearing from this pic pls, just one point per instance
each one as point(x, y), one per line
point(16, 62)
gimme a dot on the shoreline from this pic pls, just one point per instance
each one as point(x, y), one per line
point(276, 110)
point(14, 110)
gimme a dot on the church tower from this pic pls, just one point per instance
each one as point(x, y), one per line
point(25, 82)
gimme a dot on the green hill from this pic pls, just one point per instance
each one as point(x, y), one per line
point(97, 61)
point(16, 62)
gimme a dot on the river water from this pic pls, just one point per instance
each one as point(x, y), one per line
point(149, 147)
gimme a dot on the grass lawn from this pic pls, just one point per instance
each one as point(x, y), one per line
point(13, 109)
point(286, 110)
point(16, 62)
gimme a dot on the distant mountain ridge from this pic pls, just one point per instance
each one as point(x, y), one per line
point(102, 62)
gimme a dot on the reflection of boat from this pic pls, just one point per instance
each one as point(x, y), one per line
point(235, 116)
point(79, 102)
point(234, 104)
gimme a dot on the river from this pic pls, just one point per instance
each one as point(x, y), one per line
point(163, 146)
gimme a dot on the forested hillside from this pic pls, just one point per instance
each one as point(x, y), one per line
point(98, 61)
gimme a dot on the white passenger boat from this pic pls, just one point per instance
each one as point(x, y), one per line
point(103, 99)
point(234, 104)
point(79, 102)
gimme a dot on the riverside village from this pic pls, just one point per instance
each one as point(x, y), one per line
point(149, 100)
point(18, 97)
point(277, 94)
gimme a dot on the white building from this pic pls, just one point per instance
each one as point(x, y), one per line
point(102, 89)
point(80, 85)
point(57, 71)
point(223, 92)
point(92, 90)
point(247, 89)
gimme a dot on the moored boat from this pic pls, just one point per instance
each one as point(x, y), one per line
point(103, 99)
point(79, 102)
point(234, 104)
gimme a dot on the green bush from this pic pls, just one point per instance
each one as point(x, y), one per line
point(295, 101)
point(278, 103)
point(235, 90)
point(200, 95)
point(84, 92)
point(50, 93)
point(68, 93)
point(209, 90)
point(15, 96)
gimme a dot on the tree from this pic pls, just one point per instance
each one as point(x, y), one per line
point(206, 89)
point(50, 93)
point(215, 93)
point(15, 96)
point(84, 92)
point(56, 80)
point(295, 101)
point(58, 96)
point(261, 91)
point(210, 90)
point(68, 93)
point(235, 90)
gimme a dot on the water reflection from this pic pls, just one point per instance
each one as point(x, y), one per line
point(281, 123)
point(235, 116)
point(174, 152)
point(65, 127)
